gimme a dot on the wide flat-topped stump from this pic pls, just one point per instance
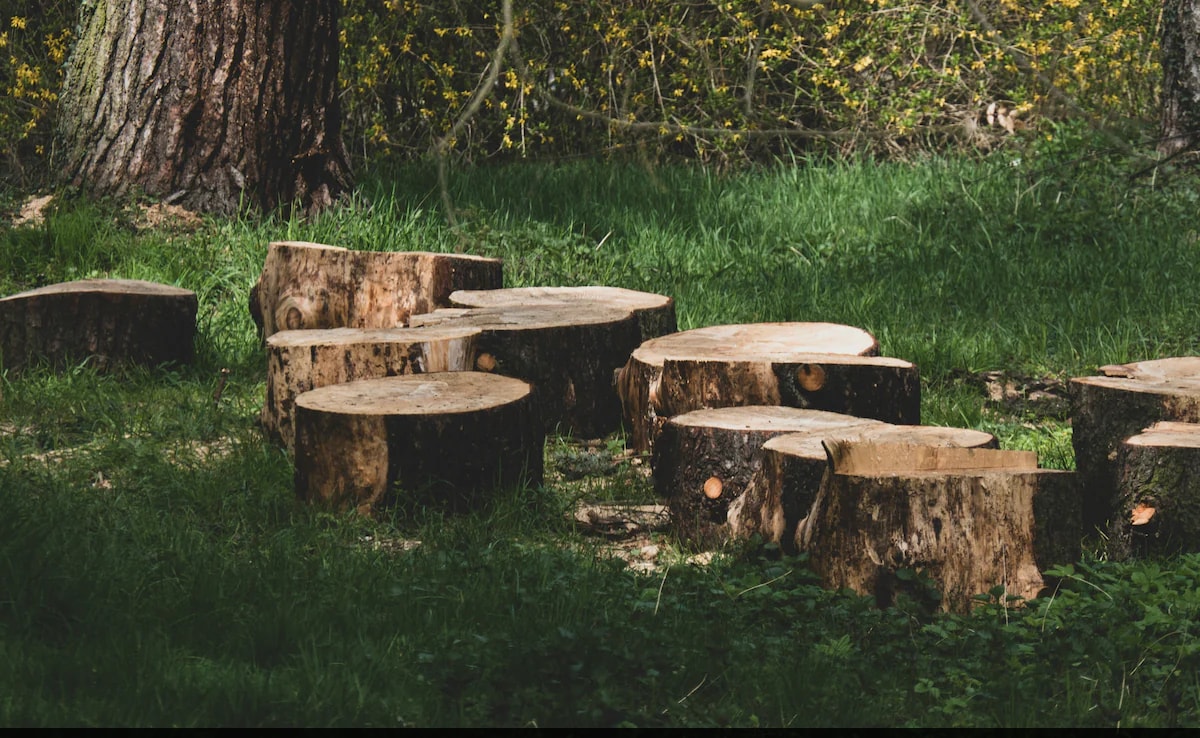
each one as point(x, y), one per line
point(783, 488)
point(313, 286)
point(1158, 493)
point(300, 361)
point(818, 366)
point(568, 352)
point(1122, 402)
point(447, 439)
point(109, 321)
point(655, 313)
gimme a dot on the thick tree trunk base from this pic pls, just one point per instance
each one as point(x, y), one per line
point(300, 361)
point(655, 313)
point(1158, 493)
point(314, 286)
point(447, 439)
point(108, 321)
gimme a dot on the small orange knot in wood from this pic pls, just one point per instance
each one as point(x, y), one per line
point(1141, 514)
point(485, 362)
point(712, 488)
point(811, 377)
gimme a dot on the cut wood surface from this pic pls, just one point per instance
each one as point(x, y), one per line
point(1158, 493)
point(655, 313)
point(728, 365)
point(108, 321)
point(299, 361)
point(568, 352)
point(704, 459)
point(968, 529)
point(784, 486)
point(1123, 401)
point(449, 438)
point(313, 286)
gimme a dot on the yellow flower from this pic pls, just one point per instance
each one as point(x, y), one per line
point(18, 22)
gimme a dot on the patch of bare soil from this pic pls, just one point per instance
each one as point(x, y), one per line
point(1016, 394)
point(169, 217)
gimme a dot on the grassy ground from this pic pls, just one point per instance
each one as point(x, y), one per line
point(156, 570)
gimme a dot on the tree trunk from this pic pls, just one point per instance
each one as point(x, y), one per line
point(1158, 493)
point(1180, 45)
point(206, 104)
point(655, 313)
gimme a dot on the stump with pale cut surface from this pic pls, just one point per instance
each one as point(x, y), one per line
point(655, 313)
point(314, 286)
point(107, 321)
point(447, 439)
point(1122, 402)
point(971, 519)
point(817, 366)
point(1158, 493)
point(299, 361)
point(568, 352)
point(783, 487)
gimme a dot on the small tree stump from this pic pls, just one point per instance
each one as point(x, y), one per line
point(313, 286)
point(817, 366)
point(448, 439)
point(1158, 493)
point(704, 459)
point(300, 361)
point(107, 320)
point(1125, 400)
point(568, 352)
point(969, 518)
point(782, 490)
point(655, 313)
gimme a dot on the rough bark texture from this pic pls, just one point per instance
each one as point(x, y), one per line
point(106, 320)
point(313, 286)
point(655, 313)
point(1158, 493)
point(445, 439)
point(210, 105)
point(967, 528)
point(1106, 410)
point(782, 490)
point(1180, 50)
point(742, 358)
point(569, 354)
point(300, 361)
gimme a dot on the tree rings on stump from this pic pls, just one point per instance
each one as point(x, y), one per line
point(106, 320)
point(299, 361)
point(448, 438)
point(1158, 493)
point(655, 313)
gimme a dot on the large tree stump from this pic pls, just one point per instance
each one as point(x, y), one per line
point(106, 320)
point(446, 439)
point(655, 313)
point(300, 361)
point(313, 286)
point(1125, 400)
point(1158, 493)
point(783, 487)
point(818, 366)
point(970, 519)
point(704, 459)
point(568, 352)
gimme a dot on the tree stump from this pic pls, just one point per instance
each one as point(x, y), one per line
point(446, 439)
point(818, 366)
point(107, 320)
point(655, 313)
point(314, 286)
point(782, 490)
point(704, 459)
point(1125, 400)
point(300, 361)
point(1158, 493)
point(568, 352)
point(970, 519)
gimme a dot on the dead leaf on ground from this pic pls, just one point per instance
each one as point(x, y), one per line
point(33, 211)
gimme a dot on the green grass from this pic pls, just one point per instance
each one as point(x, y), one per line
point(155, 568)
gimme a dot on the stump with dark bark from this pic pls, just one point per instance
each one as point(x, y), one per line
point(300, 361)
point(655, 313)
point(1125, 400)
point(568, 352)
point(969, 519)
point(108, 321)
point(314, 286)
point(1158, 493)
point(782, 490)
point(446, 439)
